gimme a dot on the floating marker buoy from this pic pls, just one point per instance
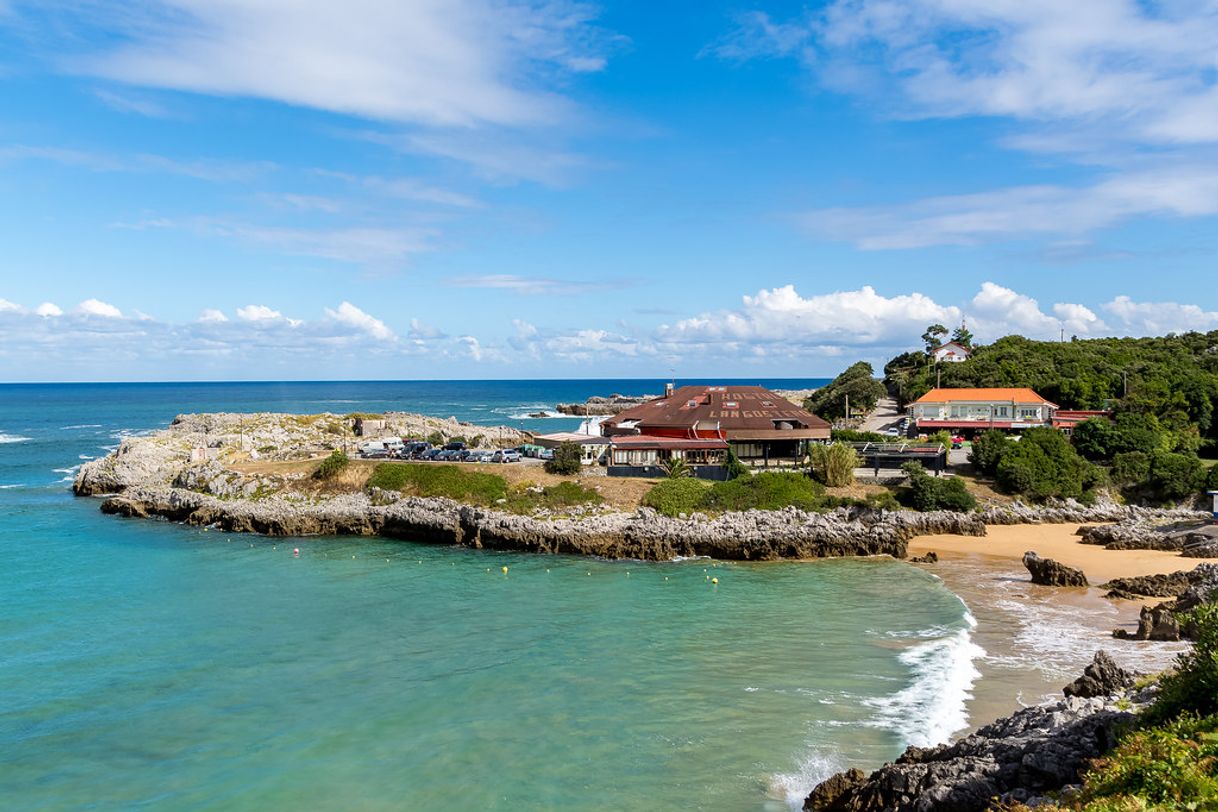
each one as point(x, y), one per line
point(665, 577)
point(296, 552)
point(714, 580)
point(505, 570)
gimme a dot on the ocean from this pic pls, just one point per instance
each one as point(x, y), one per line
point(147, 665)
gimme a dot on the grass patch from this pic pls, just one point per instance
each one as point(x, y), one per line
point(767, 491)
point(552, 497)
point(449, 481)
point(332, 466)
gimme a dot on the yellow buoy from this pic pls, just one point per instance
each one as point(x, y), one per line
point(505, 570)
point(714, 580)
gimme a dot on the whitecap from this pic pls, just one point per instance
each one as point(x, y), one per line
point(82, 426)
point(13, 438)
point(84, 457)
point(934, 707)
point(793, 787)
point(10, 487)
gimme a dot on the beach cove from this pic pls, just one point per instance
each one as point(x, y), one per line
point(369, 671)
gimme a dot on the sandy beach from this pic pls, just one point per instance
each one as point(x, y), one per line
point(1036, 638)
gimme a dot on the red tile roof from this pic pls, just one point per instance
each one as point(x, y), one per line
point(736, 412)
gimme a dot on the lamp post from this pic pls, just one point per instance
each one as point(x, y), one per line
point(1214, 506)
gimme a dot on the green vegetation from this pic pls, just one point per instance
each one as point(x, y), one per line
point(552, 497)
point(765, 491)
point(857, 385)
point(672, 497)
point(566, 461)
point(436, 438)
point(833, 464)
point(365, 416)
point(735, 468)
point(676, 467)
point(1041, 465)
point(332, 466)
point(1170, 761)
point(454, 482)
point(925, 492)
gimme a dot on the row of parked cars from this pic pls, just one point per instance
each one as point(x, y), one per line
point(425, 451)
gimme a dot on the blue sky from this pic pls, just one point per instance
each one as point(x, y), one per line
point(252, 189)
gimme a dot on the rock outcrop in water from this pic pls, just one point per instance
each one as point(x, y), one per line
point(1103, 677)
point(1164, 621)
point(1181, 531)
point(1019, 758)
point(1047, 572)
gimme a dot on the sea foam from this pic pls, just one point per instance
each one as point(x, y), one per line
point(13, 438)
point(934, 707)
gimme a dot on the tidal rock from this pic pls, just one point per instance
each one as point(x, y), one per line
point(1102, 677)
point(931, 557)
point(1047, 572)
point(1163, 621)
point(1171, 530)
point(1035, 751)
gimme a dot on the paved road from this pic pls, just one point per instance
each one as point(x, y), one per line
point(884, 415)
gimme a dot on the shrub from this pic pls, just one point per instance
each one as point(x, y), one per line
point(451, 481)
point(735, 468)
point(566, 460)
point(560, 495)
point(1042, 465)
point(1211, 479)
point(435, 438)
point(1175, 476)
point(1193, 686)
point(941, 437)
point(676, 467)
point(926, 492)
point(853, 436)
point(765, 491)
point(882, 500)
point(988, 449)
point(675, 496)
point(833, 464)
point(1130, 467)
point(332, 465)
point(1169, 767)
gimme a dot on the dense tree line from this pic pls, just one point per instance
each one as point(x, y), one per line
point(1172, 379)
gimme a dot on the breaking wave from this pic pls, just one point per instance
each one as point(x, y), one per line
point(794, 786)
point(934, 707)
point(13, 438)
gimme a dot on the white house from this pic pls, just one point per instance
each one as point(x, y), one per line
point(962, 409)
point(951, 353)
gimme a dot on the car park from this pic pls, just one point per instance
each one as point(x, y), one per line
point(506, 455)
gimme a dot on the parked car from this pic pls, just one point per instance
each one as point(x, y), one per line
point(506, 455)
point(456, 445)
point(430, 454)
point(892, 431)
point(481, 456)
point(545, 454)
point(957, 442)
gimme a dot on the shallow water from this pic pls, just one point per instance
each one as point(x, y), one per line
point(150, 665)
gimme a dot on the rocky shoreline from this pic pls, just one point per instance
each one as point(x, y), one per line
point(1017, 759)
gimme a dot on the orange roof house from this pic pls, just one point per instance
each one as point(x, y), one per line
point(981, 408)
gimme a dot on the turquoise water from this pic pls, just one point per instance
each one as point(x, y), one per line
point(150, 665)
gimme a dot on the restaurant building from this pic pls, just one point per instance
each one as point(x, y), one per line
point(972, 410)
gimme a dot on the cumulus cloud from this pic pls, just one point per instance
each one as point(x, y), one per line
point(96, 307)
point(10, 307)
point(256, 312)
point(48, 309)
point(211, 314)
point(352, 316)
point(1154, 318)
point(473, 347)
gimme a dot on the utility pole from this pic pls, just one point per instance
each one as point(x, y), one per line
point(1125, 381)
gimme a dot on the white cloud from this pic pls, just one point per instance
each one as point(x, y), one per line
point(257, 313)
point(48, 309)
point(854, 318)
point(1127, 89)
point(213, 315)
point(473, 347)
point(10, 307)
point(451, 63)
point(96, 307)
point(420, 330)
point(1156, 318)
point(532, 285)
point(352, 316)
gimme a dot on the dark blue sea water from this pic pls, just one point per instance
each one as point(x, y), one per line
point(146, 665)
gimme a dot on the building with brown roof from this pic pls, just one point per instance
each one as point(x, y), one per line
point(756, 423)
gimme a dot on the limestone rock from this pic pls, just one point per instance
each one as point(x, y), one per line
point(1048, 572)
point(1103, 677)
point(931, 557)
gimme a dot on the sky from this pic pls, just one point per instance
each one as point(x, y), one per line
point(408, 189)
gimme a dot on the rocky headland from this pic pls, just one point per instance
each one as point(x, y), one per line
point(1017, 759)
point(604, 405)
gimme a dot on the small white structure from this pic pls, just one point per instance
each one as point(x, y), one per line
point(592, 447)
point(951, 353)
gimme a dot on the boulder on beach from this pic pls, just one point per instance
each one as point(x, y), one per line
point(931, 557)
point(1163, 621)
point(1047, 572)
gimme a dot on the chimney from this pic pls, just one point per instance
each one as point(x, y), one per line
point(668, 390)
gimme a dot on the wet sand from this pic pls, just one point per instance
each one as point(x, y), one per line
point(1037, 639)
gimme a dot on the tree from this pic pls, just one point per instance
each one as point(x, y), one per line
point(735, 468)
point(988, 450)
point(925, 492)
point(566, 460)
point(1044, 465)
point(676, 467)
point(933, 337)
point(833, 464)
point(856, 385)
point(1174, 477)
point(962, 336)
